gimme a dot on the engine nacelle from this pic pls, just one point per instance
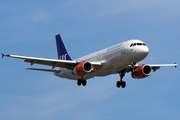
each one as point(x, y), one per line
point(82, 68)
point(142, 71)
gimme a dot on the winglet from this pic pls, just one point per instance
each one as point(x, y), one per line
point(176, 65)
point(2, 55)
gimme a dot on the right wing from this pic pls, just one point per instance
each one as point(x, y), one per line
point(68, 64)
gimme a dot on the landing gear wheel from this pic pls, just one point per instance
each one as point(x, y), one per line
point(84, 82)
point(79, 82)
point(118, 84)
point(123, 84)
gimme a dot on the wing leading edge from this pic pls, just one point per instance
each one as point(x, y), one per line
point(68, 64)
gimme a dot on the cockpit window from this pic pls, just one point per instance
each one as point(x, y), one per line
point(134, 44)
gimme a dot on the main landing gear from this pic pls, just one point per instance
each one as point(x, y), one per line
point(122, 83)
point(81, 81)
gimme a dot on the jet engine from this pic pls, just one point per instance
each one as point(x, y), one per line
point(142, 71)
point(82, 68)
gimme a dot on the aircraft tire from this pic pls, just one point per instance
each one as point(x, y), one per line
point(84, 82)
point(123, 84)
point(118, 84)
point(79, 82)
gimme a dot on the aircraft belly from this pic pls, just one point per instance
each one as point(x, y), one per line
point(68, 75)
point(107, 69)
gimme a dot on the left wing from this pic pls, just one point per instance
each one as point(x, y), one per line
point(153, 66)
point(157, 66)
point(142, 70)
point(68, 64)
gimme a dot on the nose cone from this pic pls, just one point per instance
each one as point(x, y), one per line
point(144, 51)
point(141, 53)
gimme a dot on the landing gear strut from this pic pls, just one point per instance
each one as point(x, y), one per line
point(81, 81)
point(132, 69)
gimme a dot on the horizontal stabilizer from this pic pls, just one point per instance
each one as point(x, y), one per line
point(47, 70)
point(2, 55)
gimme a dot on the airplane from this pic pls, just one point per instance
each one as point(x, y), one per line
point(118, 59)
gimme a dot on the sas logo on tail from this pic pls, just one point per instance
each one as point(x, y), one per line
point(63, 57)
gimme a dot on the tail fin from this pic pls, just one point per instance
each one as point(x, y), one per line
point(61, 49)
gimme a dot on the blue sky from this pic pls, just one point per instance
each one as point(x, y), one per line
point(29, 28)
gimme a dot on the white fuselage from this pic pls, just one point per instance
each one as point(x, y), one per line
point(113, 59)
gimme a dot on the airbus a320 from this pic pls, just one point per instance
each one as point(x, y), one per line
point(118, 59)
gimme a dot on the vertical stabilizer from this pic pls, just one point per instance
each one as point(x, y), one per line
point(61, 49)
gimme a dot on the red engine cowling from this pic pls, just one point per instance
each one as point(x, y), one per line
point(82, 68)
point(142, 71)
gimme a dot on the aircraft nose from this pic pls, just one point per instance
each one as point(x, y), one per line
point(138, 53)
point(141, 52)
point(144, 51)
